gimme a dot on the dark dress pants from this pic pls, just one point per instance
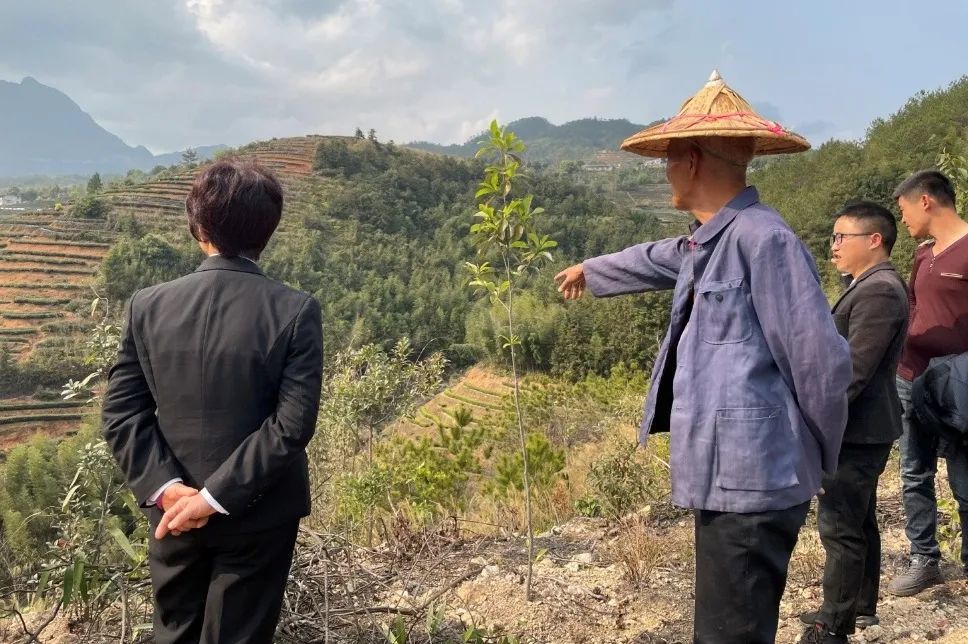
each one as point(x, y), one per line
point(741, 570)
point(220, 589)
point(847, 521)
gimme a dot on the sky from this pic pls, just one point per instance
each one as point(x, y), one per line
point(170, 74)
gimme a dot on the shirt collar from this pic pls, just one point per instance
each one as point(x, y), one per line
point(881, 266)
point(239, 256)
point(702, 233)
point(237, 263)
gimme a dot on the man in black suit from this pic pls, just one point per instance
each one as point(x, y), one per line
point(208, 411)
point(873, 315)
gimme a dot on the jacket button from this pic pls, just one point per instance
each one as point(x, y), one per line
point(719, 297)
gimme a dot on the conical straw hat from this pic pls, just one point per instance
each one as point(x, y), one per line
point(716, 110)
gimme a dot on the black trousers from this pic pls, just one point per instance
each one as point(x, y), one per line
point(847, 520)
point(220, 589)
point(741, 570)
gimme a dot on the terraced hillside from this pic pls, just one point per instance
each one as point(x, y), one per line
point(161, 203)
point(48, 265)
point(480, 390)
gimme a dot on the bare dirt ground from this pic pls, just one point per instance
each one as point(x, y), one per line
point(598, 581)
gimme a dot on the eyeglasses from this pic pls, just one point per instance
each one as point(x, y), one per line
point(837, 239)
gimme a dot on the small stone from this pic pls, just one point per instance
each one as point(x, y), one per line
point(491, 571)
point(873, 633)
point(585, 558)
point(479, 561)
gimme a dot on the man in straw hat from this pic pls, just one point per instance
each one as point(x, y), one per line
point(752, 376)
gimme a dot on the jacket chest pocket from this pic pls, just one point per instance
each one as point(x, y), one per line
point(723, 312)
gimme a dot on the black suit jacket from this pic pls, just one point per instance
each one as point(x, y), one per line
point(872, 315)
point(217, 382)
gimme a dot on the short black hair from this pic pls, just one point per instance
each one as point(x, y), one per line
point(236, 205)
point(928, 182)
point(875, 218)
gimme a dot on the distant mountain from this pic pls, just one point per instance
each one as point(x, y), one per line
point(551, 143)
point(204, 152)
point(44, 132)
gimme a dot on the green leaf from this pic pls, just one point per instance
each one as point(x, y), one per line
point(70, 495)
point(68, 586)
point(80, 580)
point(124, 544)
point(43, 582)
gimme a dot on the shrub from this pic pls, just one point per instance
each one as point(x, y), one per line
point(425, 477)
point(32, 480)
point(133, 264)
point(90, 207)
point(545, 464)
point(622, 480)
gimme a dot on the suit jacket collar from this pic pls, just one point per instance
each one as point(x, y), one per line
point(876, 268)
point(222, 263)
point(746, 198)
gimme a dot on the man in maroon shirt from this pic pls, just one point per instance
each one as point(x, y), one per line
point(939, 326)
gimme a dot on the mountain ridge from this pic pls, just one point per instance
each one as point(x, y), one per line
point(579, 139)
point(45, 132)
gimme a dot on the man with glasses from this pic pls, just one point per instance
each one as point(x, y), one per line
point(939, 327)
point(872, 314)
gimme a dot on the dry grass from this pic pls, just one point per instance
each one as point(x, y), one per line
point(806, 565)
point(640, 551)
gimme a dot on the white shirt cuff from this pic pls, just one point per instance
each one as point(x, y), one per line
point(212, 502)
point(153, 499)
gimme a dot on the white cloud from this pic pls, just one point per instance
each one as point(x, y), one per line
point(170, 75)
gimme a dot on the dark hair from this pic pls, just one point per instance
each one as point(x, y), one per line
point(235, 205)
point(875, 218)
point(928, 182)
